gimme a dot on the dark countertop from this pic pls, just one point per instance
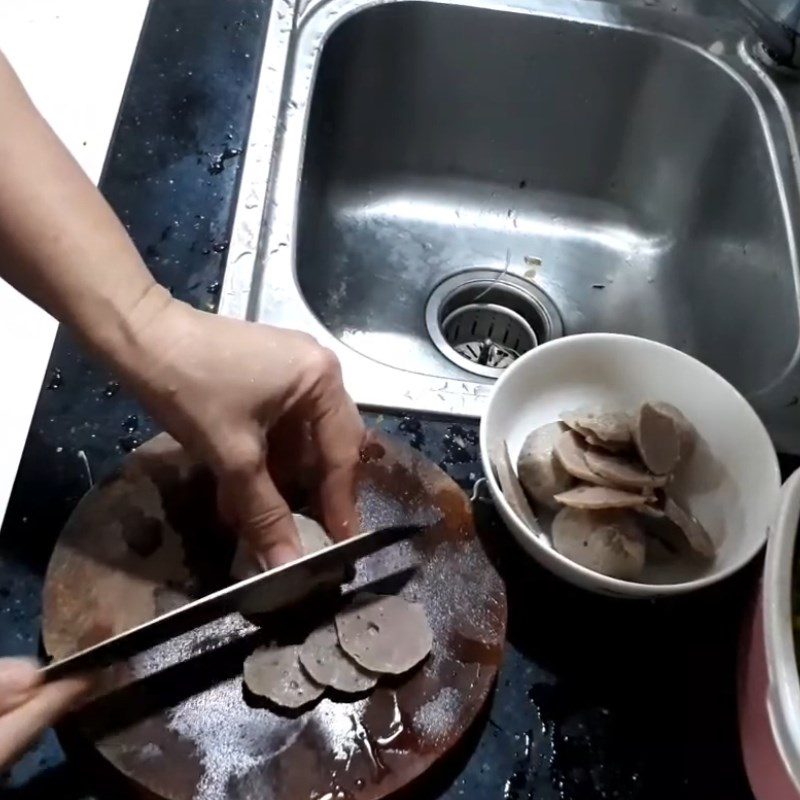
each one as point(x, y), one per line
point(597, 698)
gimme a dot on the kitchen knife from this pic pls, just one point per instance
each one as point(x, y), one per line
point(271, 590)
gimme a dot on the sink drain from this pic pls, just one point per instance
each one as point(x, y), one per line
point(488, 334)
point(483, 321)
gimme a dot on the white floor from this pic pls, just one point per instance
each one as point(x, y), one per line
point(74, 57)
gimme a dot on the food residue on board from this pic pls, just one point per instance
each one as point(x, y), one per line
point(607, 473)
point(438, 715)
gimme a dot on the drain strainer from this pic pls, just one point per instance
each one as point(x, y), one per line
point(483, 320)
point(488, 334)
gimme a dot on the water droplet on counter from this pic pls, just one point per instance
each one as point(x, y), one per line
point(56, 380)
point(216, 161)
point(130, 423)
point(129, 443)
point(112, 387)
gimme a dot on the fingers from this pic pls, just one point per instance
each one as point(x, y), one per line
point(20, 727)
point(312, 423)
point(338, 432)
point(18, 678)
point(339, 436)
point(249, 499)
point(292, 458)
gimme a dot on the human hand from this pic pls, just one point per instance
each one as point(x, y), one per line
point(218, 385)
point(28, 706)
point(261, 406)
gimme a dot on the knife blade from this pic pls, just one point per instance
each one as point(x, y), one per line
point(273, 589)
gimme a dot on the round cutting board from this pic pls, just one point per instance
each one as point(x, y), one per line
point(176, 720)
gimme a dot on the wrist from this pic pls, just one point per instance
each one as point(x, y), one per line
point(132, 338)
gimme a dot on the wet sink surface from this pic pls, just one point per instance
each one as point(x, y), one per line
point(634, 167)
point(615, 165)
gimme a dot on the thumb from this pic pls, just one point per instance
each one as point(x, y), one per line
point(260, 515)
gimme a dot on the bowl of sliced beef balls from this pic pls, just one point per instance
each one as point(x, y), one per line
point(628, 467)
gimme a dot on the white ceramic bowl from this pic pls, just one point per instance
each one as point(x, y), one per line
point(731, 483)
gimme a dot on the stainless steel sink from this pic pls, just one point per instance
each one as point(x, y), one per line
point(453, 184)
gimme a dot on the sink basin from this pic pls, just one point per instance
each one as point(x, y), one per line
point(441, 137)
point(456, 183)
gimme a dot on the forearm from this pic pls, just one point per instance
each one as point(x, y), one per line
point(60, 242)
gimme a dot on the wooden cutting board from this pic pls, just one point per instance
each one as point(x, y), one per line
point(175, 720)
